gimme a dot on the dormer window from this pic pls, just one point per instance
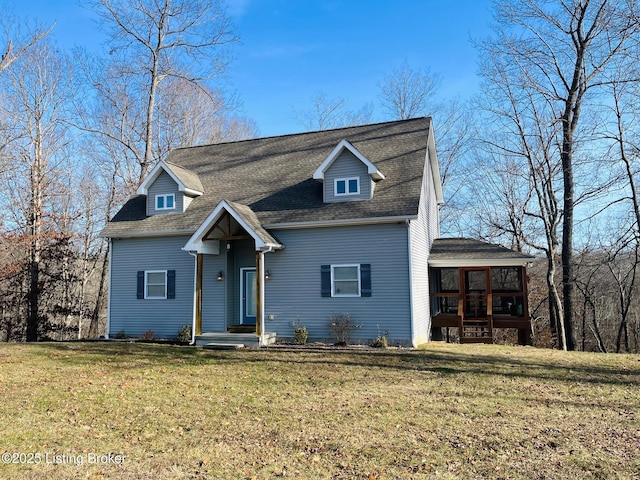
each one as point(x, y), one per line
point(347, 186)
point(165, 202)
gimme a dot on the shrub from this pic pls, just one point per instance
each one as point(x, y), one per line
point(121, 335)
point(184, 334)
point(147, 336)
point(342, 327)
point(380, 342)
point(300, 334)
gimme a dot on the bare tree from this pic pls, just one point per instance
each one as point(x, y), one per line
point(37, 90)
point(556, 53)
point(327, 113)
point(156, 40)
point(16, 38)
point(407, 93)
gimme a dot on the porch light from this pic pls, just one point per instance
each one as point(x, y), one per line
point(267, 275)
point(220, 276)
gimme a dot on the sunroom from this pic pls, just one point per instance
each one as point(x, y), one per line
point(477, 287)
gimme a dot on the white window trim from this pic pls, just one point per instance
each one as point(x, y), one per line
point(146, 283)
point(165, 201)
point(333, 285)
point(346, 181)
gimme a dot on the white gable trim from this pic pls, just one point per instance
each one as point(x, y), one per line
point(432, 158)
point(196, 244)
point(143, 189)
point(344, 144)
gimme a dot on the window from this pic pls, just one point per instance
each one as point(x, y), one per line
point(347, 186)
point(346, 280)
point(156, 284)
point(165, 202)
point(506, 279)
point(448, 279)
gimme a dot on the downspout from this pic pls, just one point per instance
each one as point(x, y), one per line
point(106, 333)
point(411, 312)
point(195, 279)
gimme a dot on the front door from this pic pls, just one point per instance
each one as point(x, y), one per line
point(475, 293)
point(248, 300)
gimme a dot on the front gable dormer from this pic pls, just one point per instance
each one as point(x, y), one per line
point(347, 175)
point(169, 189)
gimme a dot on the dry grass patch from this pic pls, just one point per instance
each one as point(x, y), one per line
point(448, 411)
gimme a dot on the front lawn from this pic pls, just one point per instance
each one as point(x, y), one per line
point(131, 411)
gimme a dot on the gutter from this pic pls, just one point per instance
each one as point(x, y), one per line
point(336, 223)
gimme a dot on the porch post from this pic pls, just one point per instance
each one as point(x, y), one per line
point(524, 336)
point(198, 292)
point(260, 296)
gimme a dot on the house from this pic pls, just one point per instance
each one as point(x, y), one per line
point(263, 235)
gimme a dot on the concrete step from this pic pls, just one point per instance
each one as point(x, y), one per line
point(234, 339)
point(222, 346)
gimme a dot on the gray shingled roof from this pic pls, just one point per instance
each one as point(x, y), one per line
point(464, 250)
point(189, 179)
point(273, 176)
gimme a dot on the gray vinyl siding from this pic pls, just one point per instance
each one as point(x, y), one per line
point(294, 290)
point(423, 231)
point(214, 308)
point(347, 166)
point(164, 185)
point(135, 316)
point(241, 255)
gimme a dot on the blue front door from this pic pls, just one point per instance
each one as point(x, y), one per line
point(248, 300)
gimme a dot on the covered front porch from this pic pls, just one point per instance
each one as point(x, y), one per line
point(476, 288)
point(230, 275)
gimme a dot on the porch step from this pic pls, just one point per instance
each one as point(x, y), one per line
point(233, 340)
point(223, 346)
point(476, 331)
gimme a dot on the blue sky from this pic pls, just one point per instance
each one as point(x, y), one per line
point(293, 49)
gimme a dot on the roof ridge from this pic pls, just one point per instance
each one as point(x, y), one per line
point(375, 124)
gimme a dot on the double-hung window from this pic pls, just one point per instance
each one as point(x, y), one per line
point(349, 280)
point(165, 202)
point(347, 186)
point(345, 280)
point(156, 284)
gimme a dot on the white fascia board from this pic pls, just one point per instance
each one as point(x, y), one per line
point(480, 262)
point(432, 157)
point(190, 191)
point(341, 223)
point(335, 153)
point(143, 189)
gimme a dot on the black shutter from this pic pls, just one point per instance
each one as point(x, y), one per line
point(325, 280)
point(140, 289)
point(365, 280)
point(171, 284)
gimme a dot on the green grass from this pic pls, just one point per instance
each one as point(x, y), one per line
point(447, 411)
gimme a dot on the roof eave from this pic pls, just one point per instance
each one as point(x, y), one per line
point(479, 262)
